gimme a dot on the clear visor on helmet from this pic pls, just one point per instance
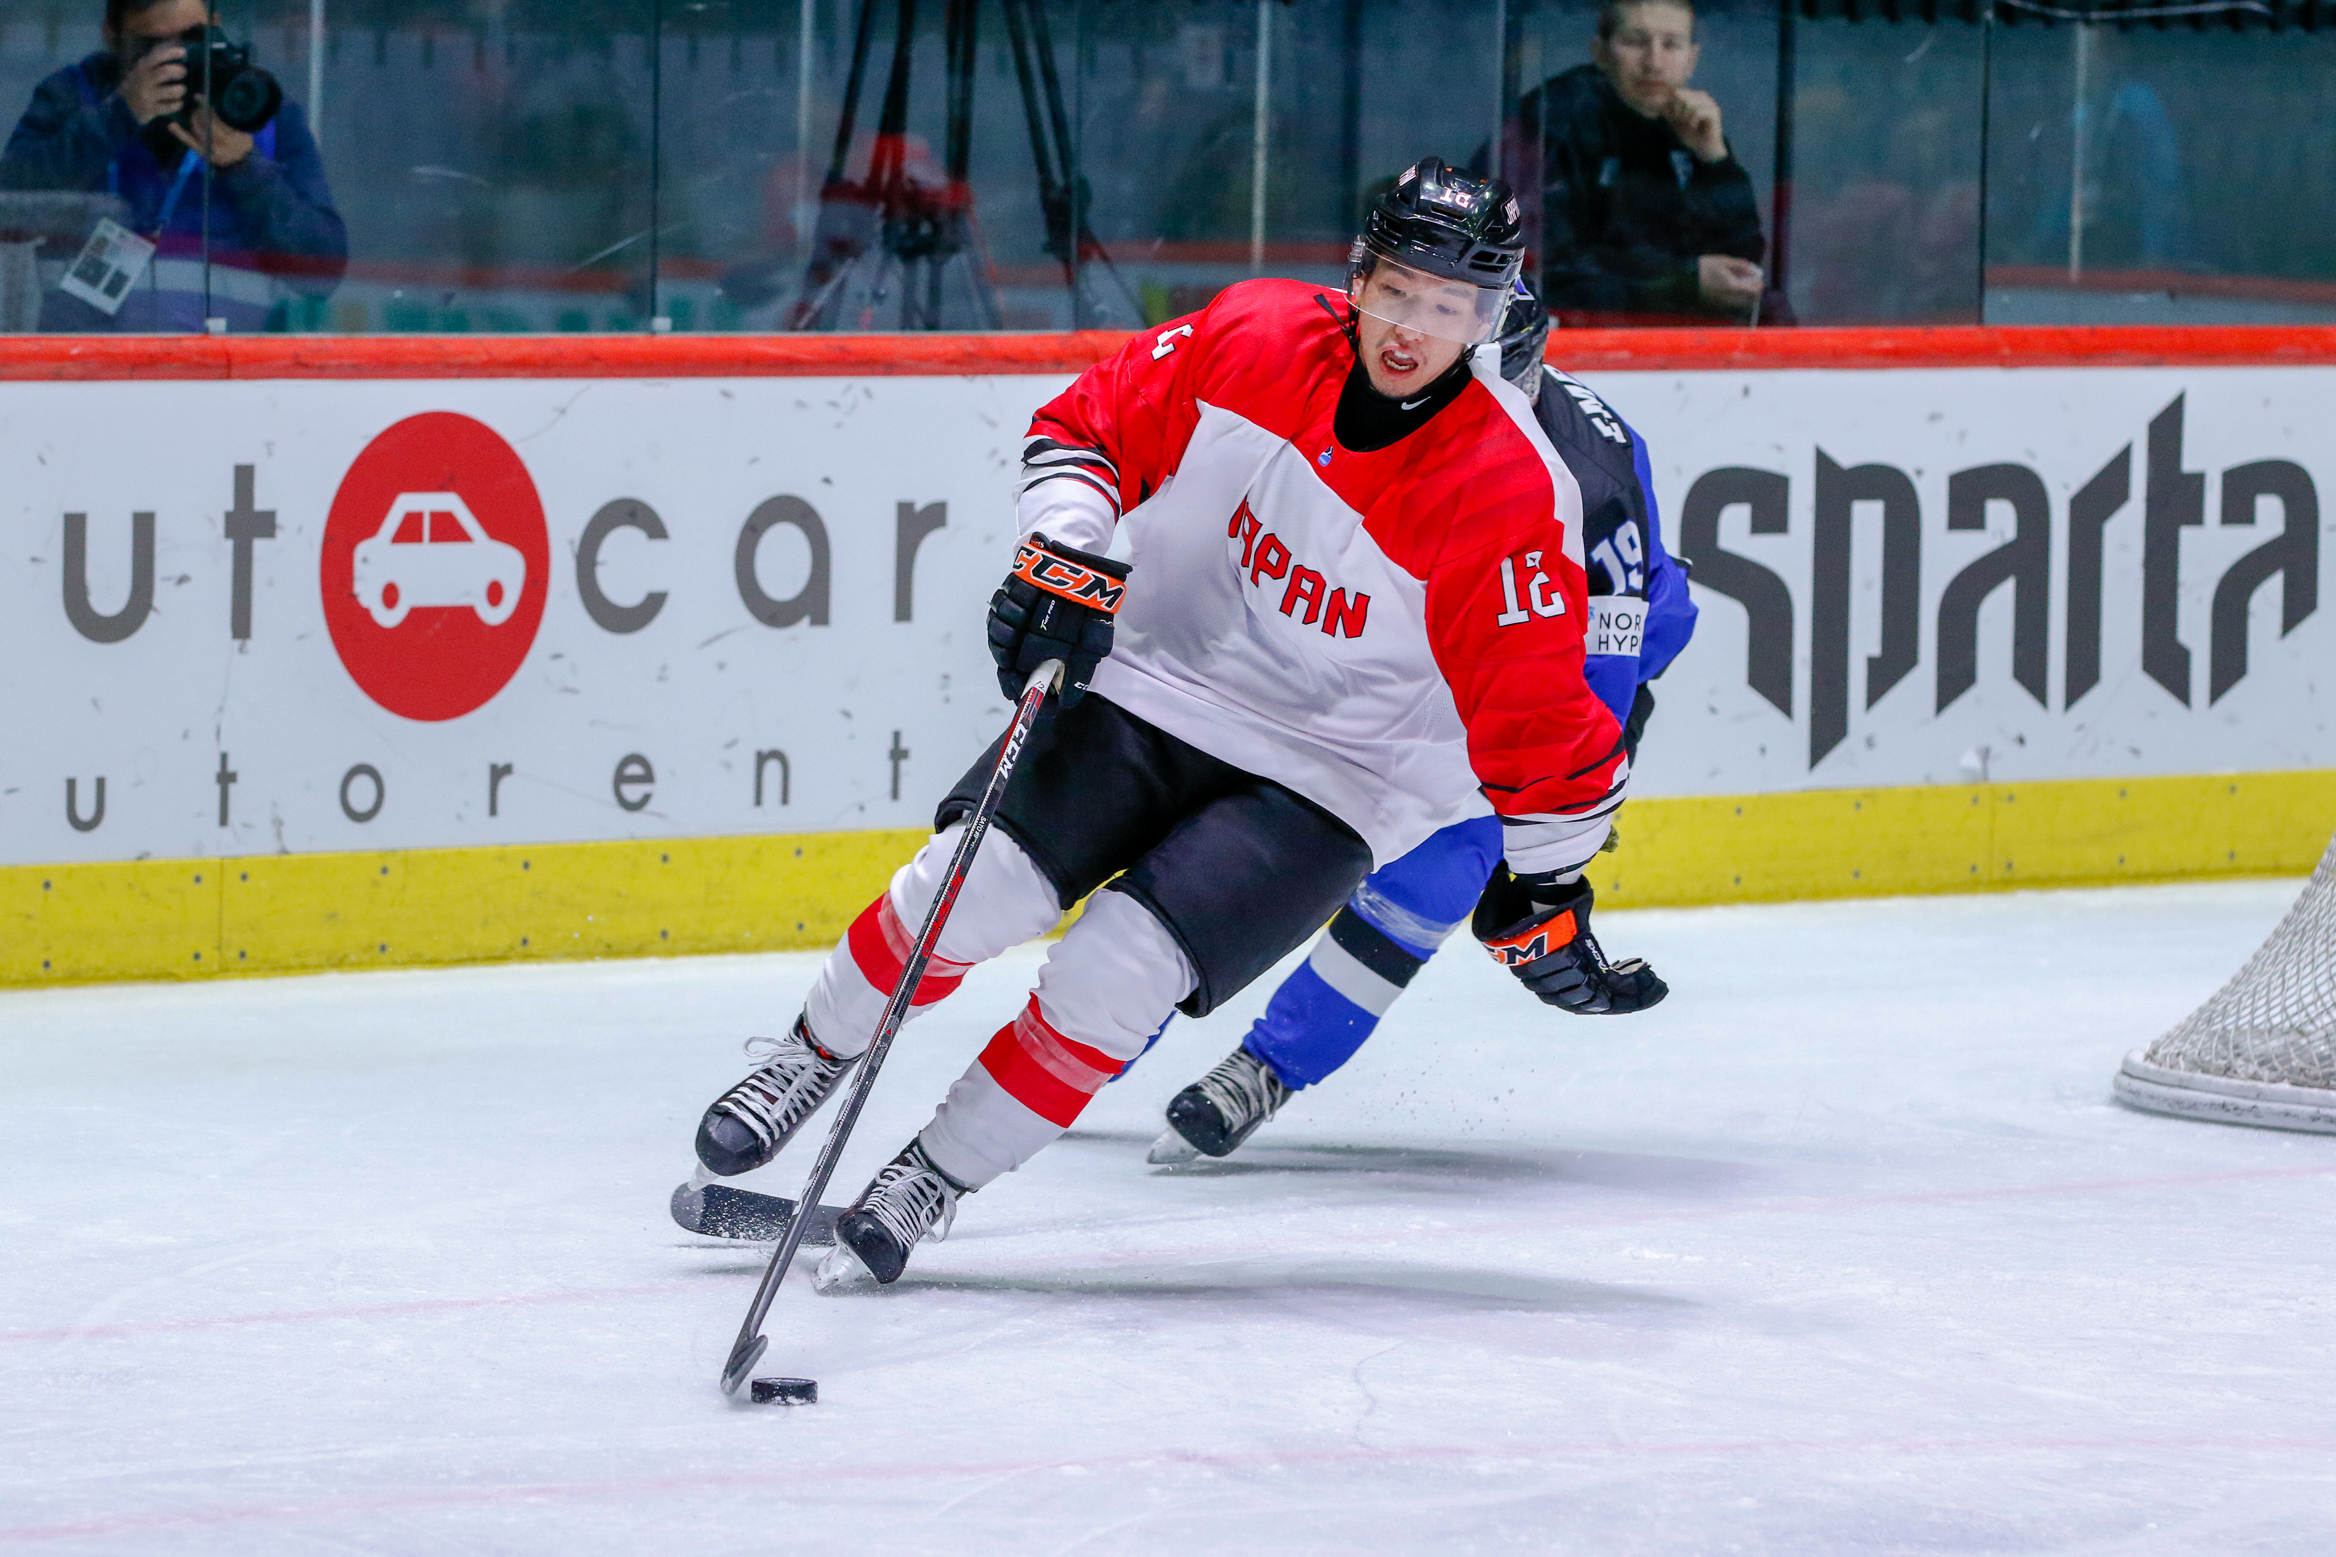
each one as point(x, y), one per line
point(1429, 305)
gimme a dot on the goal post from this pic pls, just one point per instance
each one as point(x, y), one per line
point(2263, 1050)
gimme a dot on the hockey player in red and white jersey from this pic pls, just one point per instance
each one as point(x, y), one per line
point(1355, 595)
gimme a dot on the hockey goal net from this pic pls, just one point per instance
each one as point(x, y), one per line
point(2263, 1050)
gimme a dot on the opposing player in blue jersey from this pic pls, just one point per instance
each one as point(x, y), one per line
point(1641, 617)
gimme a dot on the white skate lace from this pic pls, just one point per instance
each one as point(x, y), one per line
point(790, 1079)
point(1242, 1089)
point(912, 1199)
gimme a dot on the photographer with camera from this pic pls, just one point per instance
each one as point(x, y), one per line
point(202, 146)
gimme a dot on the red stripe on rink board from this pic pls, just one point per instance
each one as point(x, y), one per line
point(880, 946)
point(1591, 1450)
point(105, 357)
point(546, 356)
point(1052, 1076)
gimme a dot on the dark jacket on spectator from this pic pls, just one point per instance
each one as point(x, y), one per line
point(1626, 208)
point(272, 222)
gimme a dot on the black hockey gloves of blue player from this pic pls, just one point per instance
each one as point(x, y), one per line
point(1539, 929)
point(1057, 604)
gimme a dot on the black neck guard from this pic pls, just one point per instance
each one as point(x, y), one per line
point(1368, 420)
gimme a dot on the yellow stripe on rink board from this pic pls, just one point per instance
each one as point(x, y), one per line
point(288, 913)
point(1962, 838)
point(294, 913)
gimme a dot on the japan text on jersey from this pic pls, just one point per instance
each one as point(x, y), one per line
point(1264, 557)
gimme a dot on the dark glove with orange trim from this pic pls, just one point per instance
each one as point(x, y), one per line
point(1057, 604)
point(1539, 930)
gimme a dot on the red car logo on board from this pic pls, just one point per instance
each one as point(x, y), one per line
point(436, 563)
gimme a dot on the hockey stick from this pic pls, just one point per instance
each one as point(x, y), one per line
point(748, 1348)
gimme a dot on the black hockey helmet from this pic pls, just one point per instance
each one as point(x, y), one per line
point(1524, 336)
point(1445, 221)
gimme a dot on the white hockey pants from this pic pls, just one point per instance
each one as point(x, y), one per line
point(1107, 986)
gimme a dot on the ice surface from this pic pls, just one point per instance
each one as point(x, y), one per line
point(1844, 1249)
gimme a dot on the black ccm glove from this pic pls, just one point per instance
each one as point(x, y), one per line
point(1057, 604)
point(1540, 931)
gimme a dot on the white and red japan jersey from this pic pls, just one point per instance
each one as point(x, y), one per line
point(1391, 634)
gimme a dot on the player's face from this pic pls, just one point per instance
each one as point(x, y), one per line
point(1651, 55)
point(1436, 318)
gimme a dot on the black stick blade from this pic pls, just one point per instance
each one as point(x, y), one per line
point(786, 1392)
point(723, 1211)
point(743, 1357)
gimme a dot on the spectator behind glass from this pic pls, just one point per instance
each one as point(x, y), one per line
point(1646, 216)
point(109, 123)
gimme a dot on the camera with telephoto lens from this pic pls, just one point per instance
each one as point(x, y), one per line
point(221, 73)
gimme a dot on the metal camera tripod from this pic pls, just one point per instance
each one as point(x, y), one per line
point(888, 220)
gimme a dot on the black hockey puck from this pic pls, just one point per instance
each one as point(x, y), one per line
point(787, 1392)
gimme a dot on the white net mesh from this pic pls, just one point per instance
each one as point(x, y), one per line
point(2276, 1021)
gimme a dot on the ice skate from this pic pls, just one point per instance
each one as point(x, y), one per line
point(1222, 1109)
point(749, 1124)
point(909, 1200)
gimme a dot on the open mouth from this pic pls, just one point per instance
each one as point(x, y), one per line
point(1397, 362)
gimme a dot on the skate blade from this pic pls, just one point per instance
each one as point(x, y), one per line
point(1171, 1150)
point(840, 1270)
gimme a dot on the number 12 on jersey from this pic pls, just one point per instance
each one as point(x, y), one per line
point(1539, 590)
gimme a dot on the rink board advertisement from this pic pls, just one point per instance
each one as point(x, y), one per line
point(1942, 576)
point(310, 616)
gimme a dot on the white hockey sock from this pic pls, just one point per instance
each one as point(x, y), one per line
point(1106, 988)
point(1004, 902)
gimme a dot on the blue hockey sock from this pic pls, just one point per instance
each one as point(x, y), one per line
point(1328, 1007)
point(1325, 1009)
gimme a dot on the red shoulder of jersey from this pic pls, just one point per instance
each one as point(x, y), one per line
point(1274, 353)
point(1262, 349)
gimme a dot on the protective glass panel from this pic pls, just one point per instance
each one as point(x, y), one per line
point(522, 165)
point(1884, 138)
point(2179, 172)
point(442, 168)
point(1225, 139)
point(100, 209)
point(865, 165)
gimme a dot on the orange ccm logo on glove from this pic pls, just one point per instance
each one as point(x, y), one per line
point(1534, 942)
point(1061, 576)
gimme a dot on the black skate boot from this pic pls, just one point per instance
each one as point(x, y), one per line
point(908, 1200)
point(748, 1124)
point(1221, 1110)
